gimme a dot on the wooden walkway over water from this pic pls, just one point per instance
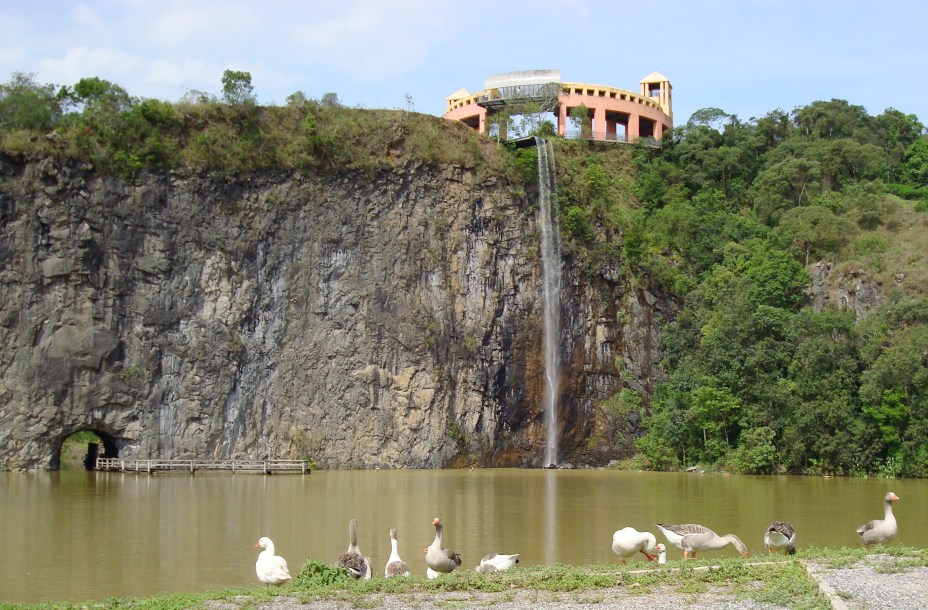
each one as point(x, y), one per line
point(191, 466)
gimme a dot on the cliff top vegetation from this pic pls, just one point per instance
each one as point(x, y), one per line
point(98, 121)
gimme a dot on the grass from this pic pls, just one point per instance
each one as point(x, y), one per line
point(771, 579)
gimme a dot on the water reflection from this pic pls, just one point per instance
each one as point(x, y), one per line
point(81, 535)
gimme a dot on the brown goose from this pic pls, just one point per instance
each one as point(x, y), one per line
point(780, 535)
point(395, 566)
point(352, 560)
point(692, 537)
point(879, 531)
point(440, 559)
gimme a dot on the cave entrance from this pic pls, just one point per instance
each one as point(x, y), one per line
point(81, 449)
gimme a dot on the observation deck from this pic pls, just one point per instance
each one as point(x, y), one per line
point(612, 114)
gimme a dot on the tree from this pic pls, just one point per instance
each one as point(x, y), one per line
point(916, 163)
point(713, 118)
point(581, 120)
point(236, 87)
point(330, 99)
point(97, 96)
point(814, 229)
point(24, 104)
point(833, 119)
point(297, 99)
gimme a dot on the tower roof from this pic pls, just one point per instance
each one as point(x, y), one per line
point(654, 77)
point(460, 93)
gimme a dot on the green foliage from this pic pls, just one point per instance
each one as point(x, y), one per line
point(97, 121)
point(27, 105)
point(316, 573)
point(906, 191)
point(915, 170)
point(237, 88)
point(816, 231)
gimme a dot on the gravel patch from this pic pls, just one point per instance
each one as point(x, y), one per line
point(879, 582)
point(618, 598)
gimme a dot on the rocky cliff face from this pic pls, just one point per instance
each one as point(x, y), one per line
point(387, 318)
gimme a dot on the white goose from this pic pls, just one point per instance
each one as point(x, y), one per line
point(693, 537)
point(496, 562)
point(661, 553)
point(879, 531)
point(440, 559)
point(780, 535)
point(395, 566)
point(270, 568)
point(352, 560)
point(628, 541)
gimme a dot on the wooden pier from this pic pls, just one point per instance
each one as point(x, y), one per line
point(192, 466)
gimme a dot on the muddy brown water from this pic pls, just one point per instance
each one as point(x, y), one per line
point(76, 535)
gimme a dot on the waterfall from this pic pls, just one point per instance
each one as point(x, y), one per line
point(551, 270)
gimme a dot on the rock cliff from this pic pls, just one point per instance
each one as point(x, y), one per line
point(386, 318)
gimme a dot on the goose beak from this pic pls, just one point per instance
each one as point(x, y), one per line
point(893, 497)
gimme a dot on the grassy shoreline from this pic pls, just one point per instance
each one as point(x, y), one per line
point(773, 579)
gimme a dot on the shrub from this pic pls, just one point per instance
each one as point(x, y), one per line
point(315, 572)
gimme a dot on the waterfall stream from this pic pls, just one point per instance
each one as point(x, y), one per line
point(551, 270)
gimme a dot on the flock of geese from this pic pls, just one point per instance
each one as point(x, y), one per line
point(626, 542)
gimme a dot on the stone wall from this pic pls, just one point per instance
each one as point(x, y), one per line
point(387, 318)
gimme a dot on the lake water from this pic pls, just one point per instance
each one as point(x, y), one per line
point(75, 535)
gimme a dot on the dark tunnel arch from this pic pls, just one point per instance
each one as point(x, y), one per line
point(98, 444)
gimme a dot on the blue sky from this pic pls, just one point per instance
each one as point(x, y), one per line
point(745, 57)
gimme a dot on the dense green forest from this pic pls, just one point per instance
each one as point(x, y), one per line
point(726, 217)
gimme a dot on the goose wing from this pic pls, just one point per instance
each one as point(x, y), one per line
point(354, 563)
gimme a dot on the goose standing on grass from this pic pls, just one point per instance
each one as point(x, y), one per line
point(496, 562)
point(270, 568)
point(879, 531)
point(628, 541)
point(352, 560)
point(780, 535)
point(661, 553)
point(693, 537)
point(438, 558)
point(395, 566)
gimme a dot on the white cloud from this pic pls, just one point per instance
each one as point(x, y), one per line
point(80, 62)
point(375, 40)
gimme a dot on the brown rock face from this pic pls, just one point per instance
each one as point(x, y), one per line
point(387, 318)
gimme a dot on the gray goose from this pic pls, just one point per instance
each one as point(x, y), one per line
point(780, 535)
point(395, 566)
point(440, 559)
point(692, 537)
point(879, 531)
point(352, 560)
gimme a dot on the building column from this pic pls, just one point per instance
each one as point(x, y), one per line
point(633, 122)
point(482, 117)
point(599, 121)
point(561, 119)
point(610, 129)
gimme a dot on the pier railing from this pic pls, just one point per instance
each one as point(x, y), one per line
point(191, 466)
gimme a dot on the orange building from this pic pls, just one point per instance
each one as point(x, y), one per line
point(615, 115)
